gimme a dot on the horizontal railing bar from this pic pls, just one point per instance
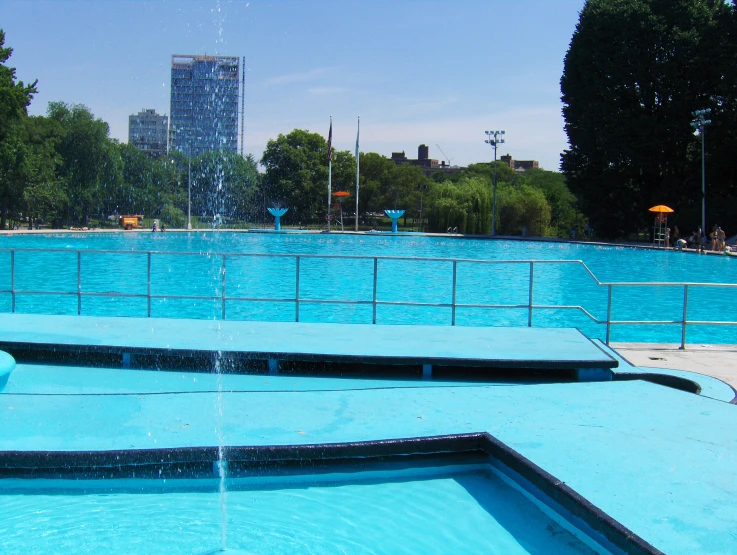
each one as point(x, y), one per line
point(111, 294)
point(409, 303)
point(568, 307)
point(216, 254)
point(673, 322)
point(708, 323)
point(664, 284)
point(186, 297)
point(332, 301)
point(646, 322)
point(19, 292)
point(525, 306)
point(368, 302)
point(389, 258)
point(262, 299)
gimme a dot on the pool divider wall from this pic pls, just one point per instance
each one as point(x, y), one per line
point(292, 459)
point(248, 363)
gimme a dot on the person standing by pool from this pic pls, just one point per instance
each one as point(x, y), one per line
point(667, 237)
point(713, 236)
point(721, 236)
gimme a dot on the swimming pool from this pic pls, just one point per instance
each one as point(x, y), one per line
point(330, 280)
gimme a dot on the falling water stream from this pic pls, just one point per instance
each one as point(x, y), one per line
point(221, 463)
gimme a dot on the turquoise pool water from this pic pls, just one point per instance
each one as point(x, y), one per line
point(399, 280)
point(469, 511)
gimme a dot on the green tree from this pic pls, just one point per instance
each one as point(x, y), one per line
point(465, 204)
point(91, 164)
point(504, 174)
point(297, 175)
point(563, 204)
point(43, 195)
point(634, 73)
point(400, 188)
point(14, 158)
point(375, 171)
point(521, 206)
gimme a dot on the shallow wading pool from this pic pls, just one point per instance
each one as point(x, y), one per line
point(469, 510)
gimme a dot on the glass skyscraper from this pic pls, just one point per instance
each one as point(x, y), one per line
point(204, 104)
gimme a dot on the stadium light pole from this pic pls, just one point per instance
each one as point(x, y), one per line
point(699, 123)
point(494, 138)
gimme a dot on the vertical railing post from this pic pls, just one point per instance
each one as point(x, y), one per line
point(609, 315)
point(222, 289)
point(685, 316)
point(376, 273)
point(148, 284)
point(79, 282)
point(296, 292)
point(455, 280)
point(529, 295)
point(12, 281)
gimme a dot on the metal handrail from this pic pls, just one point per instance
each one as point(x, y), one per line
point(375, 302)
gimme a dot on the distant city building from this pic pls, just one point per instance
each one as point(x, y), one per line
point(423, 160)
point(204, 104)
point(519, 165)
point(149, 131)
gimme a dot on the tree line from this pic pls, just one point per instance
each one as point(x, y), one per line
point(64, 169)
point(296, 173)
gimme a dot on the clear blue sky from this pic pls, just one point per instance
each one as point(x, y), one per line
point(415, 71)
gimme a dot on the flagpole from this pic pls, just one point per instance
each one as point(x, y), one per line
point(358, 132)
point(330, 170)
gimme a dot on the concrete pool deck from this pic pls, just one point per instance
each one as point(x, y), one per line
point(718, 361)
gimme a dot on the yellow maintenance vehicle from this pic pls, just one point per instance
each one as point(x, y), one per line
point(131, 222)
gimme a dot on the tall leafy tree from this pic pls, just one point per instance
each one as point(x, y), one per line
point(14, 163)
point(401, 189)
point(375, 172)
point(522, 206)
point(634, 73)
point(91, 162)
point(297, 175)
point(464, 204)
point(43, 196)
point(562, 203)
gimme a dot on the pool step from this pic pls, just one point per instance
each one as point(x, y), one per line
point(277, 347)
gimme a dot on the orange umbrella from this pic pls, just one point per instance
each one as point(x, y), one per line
point(661, 209)
point(347, 194)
